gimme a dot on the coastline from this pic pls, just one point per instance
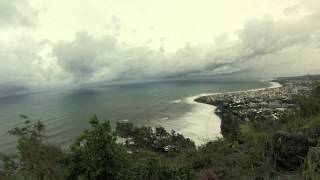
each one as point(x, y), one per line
point(267, 105)
point(200, 122)
point(217, 117)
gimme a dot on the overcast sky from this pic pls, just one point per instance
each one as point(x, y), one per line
point(57, 42)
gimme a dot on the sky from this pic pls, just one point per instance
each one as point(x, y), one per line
point(63, 42)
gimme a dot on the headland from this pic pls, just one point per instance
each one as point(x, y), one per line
point(266, 104)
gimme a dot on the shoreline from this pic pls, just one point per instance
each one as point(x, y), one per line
point(201, 123)
point(218, 116)
point(267, 105)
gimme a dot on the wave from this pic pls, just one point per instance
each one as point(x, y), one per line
point(176, 101)
point(164, 118)
point(202, 124)
point(274, 85)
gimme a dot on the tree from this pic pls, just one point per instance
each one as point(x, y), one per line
point(96, 155)
point(36, 159)
point(143, 137)
point(161, 132)
point(124, 130)
point(153, 170)
point(316, 90)
point(230, 126)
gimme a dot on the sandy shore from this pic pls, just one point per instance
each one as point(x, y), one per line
point(201, 124)
point(208, 128)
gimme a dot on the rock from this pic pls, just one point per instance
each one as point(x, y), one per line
point(204, 99)
point(201, 99)
point(290, 150)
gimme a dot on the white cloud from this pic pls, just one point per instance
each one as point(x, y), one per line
point(16, 12)
point(23, 63)
point(87, 41)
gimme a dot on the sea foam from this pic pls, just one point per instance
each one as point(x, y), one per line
point(201, 124)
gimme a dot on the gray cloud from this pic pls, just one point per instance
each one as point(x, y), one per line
point(18, 62)
point(16, 12)
point(22, 65)
point(262, 45)
point(263, 48)
point(90, 59)
point(12, 89)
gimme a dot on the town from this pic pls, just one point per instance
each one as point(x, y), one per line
point(262, 104)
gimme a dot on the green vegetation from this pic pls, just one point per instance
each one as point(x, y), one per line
point(95, 154)
point(36, 159)
point(283, 149)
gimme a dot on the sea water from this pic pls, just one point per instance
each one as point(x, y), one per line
point(66, 112)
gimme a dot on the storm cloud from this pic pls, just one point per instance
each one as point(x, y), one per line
point(61, 48)
point(90, 59)
point(262, 46)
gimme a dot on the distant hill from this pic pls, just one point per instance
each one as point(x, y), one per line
point(305, 77)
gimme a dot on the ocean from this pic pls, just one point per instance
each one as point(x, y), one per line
point(66, 112)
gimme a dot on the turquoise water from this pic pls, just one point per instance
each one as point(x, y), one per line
point(66, 112)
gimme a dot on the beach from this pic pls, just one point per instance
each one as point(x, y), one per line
point(202, 124)
point(262, 104)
